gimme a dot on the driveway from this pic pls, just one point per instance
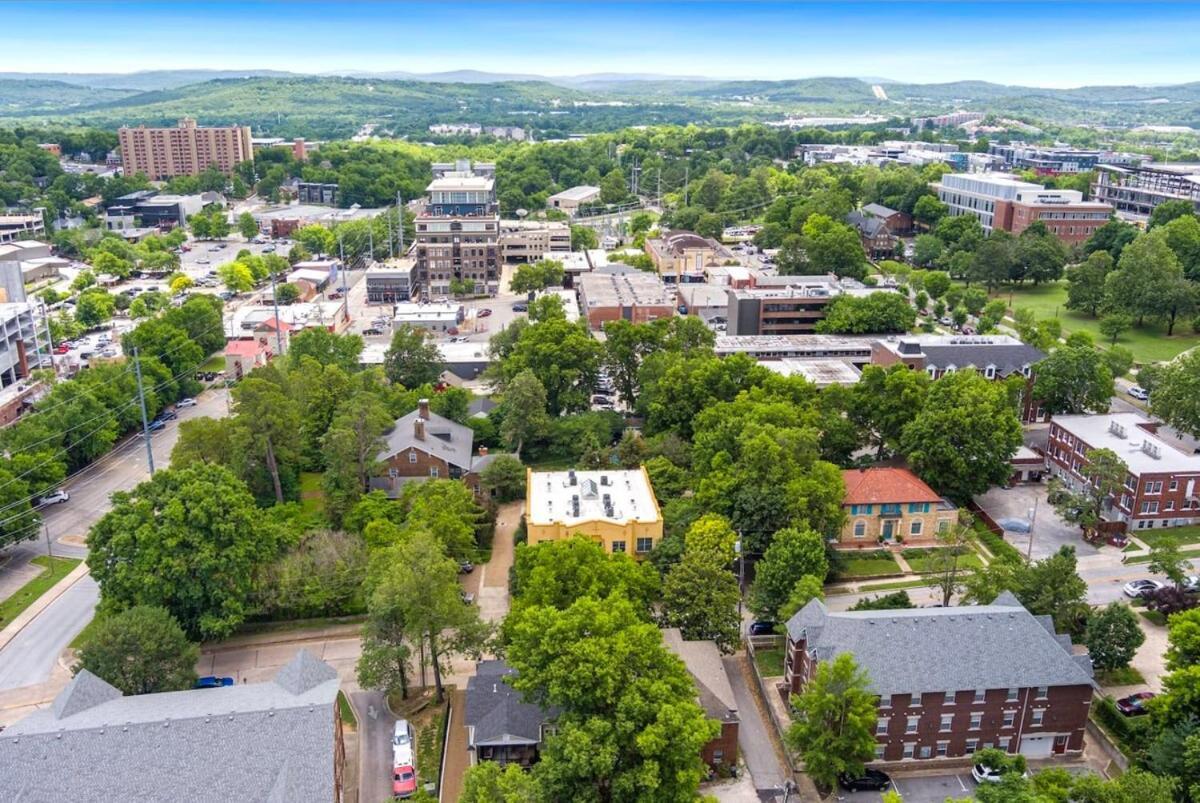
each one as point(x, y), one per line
point(754, 735)
point(375, 732)
point(490, 581)
point(1049, 530)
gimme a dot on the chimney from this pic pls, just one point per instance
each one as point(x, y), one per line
point(423, 409)
point(483, 451)
point(419, 428)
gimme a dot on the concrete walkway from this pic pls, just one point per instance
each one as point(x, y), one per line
point(755, 738)
point(456, 760)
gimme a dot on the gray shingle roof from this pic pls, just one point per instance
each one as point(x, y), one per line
point(253, 742)
point(1007, 358)
point(496, 711)
point(703, 662)
point(994, 646)
point(869, 226)
point(444, 438)
point(878, 210)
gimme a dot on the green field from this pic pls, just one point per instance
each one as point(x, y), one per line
point(1182, 536)
point(26, 594)
point(769, 662)
point(1148, 344)
point(922, 560)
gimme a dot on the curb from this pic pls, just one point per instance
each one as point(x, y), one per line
point(26, 616)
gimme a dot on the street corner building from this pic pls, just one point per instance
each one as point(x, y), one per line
point(252, 743)
point(616, 508)
point(952, 681)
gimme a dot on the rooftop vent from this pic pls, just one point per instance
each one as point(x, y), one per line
point(1153, 449)
point(1118, 429)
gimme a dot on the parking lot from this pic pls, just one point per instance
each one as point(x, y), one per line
point(1050, 532)
point(930, 789)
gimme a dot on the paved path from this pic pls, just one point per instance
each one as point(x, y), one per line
point(38, 645)
point(457, 760)
point(375, 745)
point(754, 737)
point(492, 586)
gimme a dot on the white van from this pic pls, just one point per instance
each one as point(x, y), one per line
point(402, 744)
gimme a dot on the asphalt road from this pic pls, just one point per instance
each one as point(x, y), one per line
point(30, 657)
point(375, 739)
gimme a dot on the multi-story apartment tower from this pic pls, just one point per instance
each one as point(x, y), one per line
point(458, 233)
point(186, 150)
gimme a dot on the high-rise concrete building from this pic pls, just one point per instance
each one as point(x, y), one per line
point(186, 150)
point(458, 232)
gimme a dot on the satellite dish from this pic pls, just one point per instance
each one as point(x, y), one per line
point(521, 213)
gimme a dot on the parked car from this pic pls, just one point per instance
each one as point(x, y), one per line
point(762, 628)
point(468, 597)
point(203, 261)
point(168, 415)
point(598, 399)
point(1139, 392)
point(61, 348)
point(55, 497)
point(870, 781)
point(213, 682)
point(483, 313)
point(1135, 704)
point(520, 308)
point(1191, 584)
point(453, 330)
point(372, 330)
point(336, 294)
point(1138, 589)
point(404, 782)
point(188, 402)
point(465, 567)
point(402, 744)
point(156, 425)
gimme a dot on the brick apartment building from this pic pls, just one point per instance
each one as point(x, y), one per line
point(952, 681)
point(458, 233)
point(995, 356)
point(1163, 485)
point(1000, 201)
point(186, 150)
point(787, 305)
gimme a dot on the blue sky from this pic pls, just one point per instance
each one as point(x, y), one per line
point(1041, 44)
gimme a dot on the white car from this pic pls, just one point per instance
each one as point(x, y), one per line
point(985, 774)
point(1137, 589)
point(55, 497)
point(188, 402)
point(402, 744)
point(1139, 392)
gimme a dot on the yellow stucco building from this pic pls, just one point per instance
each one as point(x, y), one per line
point(615, 508)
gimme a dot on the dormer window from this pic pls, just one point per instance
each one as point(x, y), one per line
point(990, 372)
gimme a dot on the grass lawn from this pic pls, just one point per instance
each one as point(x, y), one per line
point(214, 363)
point(347, 712)
point(312, 495)
point(769, 662)
point(1148, 344)
point(866, 564)
point(257, 628)
point(899, 584)
point(54, 569)
point(1120, 677)
point(1186, 553)
point(1154, 617)
point(1182, 536)
point(922, 560)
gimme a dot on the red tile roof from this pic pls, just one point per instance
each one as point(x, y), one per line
point(245, 348)
point(873, 486)
point(271, 323)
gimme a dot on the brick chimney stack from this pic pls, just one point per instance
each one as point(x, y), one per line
point(423, 409)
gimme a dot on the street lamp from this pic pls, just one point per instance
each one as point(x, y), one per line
point(737, 550)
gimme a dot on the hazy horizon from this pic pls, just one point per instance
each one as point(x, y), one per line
point(1052, 45)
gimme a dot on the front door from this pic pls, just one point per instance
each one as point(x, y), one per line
point(889, 528)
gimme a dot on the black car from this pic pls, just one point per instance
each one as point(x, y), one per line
point(762, 628)
point(168, 415)
point(870, 781)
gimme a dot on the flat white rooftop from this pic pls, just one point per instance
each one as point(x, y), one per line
point(1143, 451)
point(821, 373)
point(552, 497)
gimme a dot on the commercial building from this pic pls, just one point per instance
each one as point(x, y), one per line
point(391, 281)
point(25, 261)
point(892, 505)
point(1058, 159)
point(853, 349)
point(315, 192)
point(821, 373)
point(281, 221)
point(1135, 191)
point(638, 297)
point(571, 200)
point(994, 356)
point(683, 256)
point(458, 234)
point(708, 302)
point(430, 317)
point(1162, 488)
point(531, 240)
point(423, 446)
point(186, 150)
point(1000, 201)
point(463, 166)
point(617, 509)
point(22, 347)
point(150, 209)
point(952, 681)
point(787, 305)
point(247, 743)
point(22, 226)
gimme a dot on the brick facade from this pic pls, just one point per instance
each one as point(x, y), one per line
point(723, 749)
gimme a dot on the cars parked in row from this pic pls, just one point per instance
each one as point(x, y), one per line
point(870, 781)
point(404, 782)
point(402, 744)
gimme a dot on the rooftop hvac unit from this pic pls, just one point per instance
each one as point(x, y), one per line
point(1118, 429)
point(604, 479)
point(571, 477)
point(1153, 449)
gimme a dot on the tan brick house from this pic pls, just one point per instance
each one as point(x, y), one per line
point(892, 505)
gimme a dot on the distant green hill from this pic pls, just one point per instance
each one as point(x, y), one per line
point(25, 95)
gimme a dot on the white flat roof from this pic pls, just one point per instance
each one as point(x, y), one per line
point(583, 192)
point(1121, 433)
point(460, 183)
point(551, 494)
point(464, 352)
point(821, 373)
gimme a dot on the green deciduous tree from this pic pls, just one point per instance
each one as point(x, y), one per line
point(488, 782)
point(885, 400)
point(701, 600)
point(188, 540)
point(833, 247)
point(1113, 636)
point(413, 358)
point(141, 650)
point(524, 409)
point(565, 359)
point(961, 441)
point(1074, 380)
point(504, 476)
point(557, 573)
point(247, 225)
point(537, 276)
point(1176, 395)
point(793, 554)
point(878, 313)
point(1105, 473)
point(834, 728)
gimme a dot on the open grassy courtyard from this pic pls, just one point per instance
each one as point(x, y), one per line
point(1150, 343)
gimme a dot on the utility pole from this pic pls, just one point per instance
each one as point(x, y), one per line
point(278, 323)
point(687, 171)
point(737, 550)
point(137, 368)
point(400, 222)
point(46, 527)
